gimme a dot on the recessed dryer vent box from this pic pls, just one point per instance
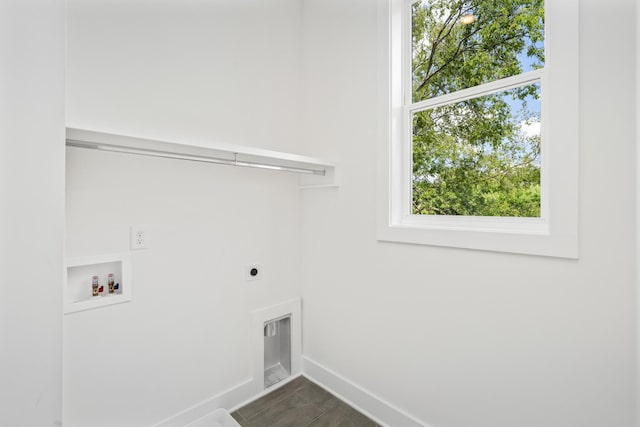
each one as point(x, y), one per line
point(277, 350)
point(278, 342)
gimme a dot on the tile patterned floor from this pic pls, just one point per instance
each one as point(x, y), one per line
point(300, 403)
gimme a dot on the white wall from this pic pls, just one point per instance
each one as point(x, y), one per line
point(222, 71)
point(466, 338)
point(637, 258)
point(31, 211)
point(452, 337)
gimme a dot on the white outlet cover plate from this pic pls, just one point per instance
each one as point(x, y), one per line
point(248, 269)
point(135, 243)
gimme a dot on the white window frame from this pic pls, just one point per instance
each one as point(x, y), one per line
point(555, 232)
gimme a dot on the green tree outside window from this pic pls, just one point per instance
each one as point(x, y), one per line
point(478, 156)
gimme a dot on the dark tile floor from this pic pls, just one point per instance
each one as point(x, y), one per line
point(300, 403)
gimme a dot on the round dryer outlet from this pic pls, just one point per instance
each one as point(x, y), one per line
point(254, 272)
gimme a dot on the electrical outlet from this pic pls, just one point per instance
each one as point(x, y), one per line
point(254, 272)
point(138, 237)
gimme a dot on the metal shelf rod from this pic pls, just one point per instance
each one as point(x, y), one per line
point(194, 158)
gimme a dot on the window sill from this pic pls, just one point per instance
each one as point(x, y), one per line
point(532, 238)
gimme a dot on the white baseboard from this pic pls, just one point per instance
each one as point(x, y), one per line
point(379, 410)
point(253, 388)
point(227, 399)
point(232, 399)
point(374, 407)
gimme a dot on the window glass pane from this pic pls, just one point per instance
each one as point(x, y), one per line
point(479, 157)
point(457, 44)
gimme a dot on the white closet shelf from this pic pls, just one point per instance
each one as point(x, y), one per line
point(314, 172)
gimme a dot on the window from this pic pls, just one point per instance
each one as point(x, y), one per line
point(475, 69)
point(480, 125)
